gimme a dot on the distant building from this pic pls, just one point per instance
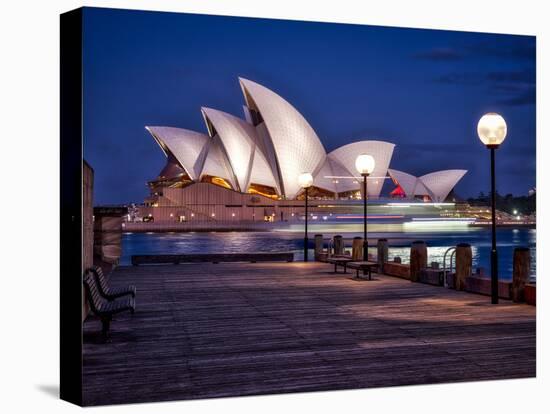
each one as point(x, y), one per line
point(257, 161)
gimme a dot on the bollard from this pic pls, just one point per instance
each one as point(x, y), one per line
point(463, 262)
point(522, 266)
point(338, 245)
point(318, 245)
point(357, 249)
point(419, 259)
point(382, 253)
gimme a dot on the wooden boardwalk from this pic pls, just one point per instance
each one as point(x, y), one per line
point(216, 330)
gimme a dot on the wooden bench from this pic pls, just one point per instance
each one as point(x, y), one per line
point(364, 266)
point(339, 261)
point(101, 307)
point(145, 259)
point(105, 290)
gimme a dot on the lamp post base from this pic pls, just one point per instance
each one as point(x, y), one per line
point(494, 277)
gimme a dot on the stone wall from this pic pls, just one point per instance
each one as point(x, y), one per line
point(108, 233)
point(87, 222)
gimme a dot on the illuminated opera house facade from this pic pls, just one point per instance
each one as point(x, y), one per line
point(248, 169)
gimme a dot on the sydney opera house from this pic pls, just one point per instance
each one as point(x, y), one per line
point(248, 169)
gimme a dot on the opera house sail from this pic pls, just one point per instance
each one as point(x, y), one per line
point(247, 168)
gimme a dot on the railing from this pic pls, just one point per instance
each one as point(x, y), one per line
point(329, 248)
point(453, 252)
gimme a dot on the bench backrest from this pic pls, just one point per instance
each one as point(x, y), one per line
point(100, 279)
point(92, 292)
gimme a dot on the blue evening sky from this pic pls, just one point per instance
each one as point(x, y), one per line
point(423, 90)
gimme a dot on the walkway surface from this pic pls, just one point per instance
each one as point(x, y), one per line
point(216, 330)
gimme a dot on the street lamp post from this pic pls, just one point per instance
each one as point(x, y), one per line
point(491, 129)
point(365, 165)
point(305, 180)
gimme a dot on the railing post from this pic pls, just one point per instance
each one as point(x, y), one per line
point(522, 267)
point(419, 259)
point(338, 245)
point(357, 249)
point(318, 240)
point(382, 253)
point(463, 265)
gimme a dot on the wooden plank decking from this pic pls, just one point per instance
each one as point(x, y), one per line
point(214, 330)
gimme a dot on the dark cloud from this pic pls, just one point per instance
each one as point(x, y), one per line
point(523, 49)
point(524, 76)
point(527, 97)
point(515, 87)
point(440, 54)
point(460, 78)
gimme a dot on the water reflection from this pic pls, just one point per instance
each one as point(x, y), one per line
point(291, 239)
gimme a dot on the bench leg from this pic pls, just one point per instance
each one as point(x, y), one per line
point(105, 327)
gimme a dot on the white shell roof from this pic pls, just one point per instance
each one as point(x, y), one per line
point(187, 147)
point(346, 155)
point(441, 183)
point(407, 181)
point(239, 141)
point(276, 151)
point(325, 177)
point(297, 146)
point(261, 172)
point(421, 190)
point(216, 163)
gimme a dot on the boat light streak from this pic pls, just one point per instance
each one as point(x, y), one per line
point(370, 217)
point(421, 204)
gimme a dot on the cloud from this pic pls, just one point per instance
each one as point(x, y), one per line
point(514, 87)
point(518, 48)
point(527, 97)
point(522, 48)
point(517, 87)
point(524, 76)
point(440, 54)
point(466, 78)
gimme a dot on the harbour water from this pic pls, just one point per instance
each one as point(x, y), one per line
point(439, 238)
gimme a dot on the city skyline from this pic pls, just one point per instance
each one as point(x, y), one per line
point(424, 90)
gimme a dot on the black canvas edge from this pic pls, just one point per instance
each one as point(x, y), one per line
point(71, 206)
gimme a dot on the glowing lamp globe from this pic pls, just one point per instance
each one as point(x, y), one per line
point(491, 129)
point(364, 164)
point(305, 180)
